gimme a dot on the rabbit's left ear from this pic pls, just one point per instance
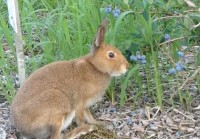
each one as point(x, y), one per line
point(100, 34)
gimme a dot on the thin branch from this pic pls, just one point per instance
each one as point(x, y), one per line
point(189, 11)
point(168, 17)
point(173, 16)
point(190, 78)
point(195, 26)
point(169, 41)
point(184, 115)
point(190, 134)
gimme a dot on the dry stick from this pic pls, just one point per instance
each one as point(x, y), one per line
point(3, 108)
point(156, 113)
point(188, 11)
point(195, 26)
point(166, 42)
point(166, 112)
point(179, 16)
point(168, 17)
point(168, 56)
point(106, 119)
point(189, 134)
point(184, 115)
point(190, 78)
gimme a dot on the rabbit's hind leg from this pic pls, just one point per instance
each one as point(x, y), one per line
point(80, 130)
point(56, 128)
point(88, 117)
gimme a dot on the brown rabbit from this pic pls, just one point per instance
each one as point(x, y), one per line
point(59, 92)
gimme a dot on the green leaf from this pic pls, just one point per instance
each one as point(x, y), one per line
point(117, 23)
point(171, 4)
point(150, 1)
point(125, 83)
point(188, 23)
point(146, 15)
point(126, 1)
point(181, 2)
point(144, 4)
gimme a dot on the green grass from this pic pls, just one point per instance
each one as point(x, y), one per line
point(64, 29)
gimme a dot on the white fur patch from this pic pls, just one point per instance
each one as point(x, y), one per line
point(68, 120)
point(122, 71)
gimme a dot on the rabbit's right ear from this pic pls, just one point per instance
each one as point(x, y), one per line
point(100, 34)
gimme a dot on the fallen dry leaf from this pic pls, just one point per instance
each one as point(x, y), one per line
point(169, 121)
point(189, 3)
point(190, 130)
point(197, 108)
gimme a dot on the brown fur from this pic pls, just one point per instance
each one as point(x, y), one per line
point(61, 90)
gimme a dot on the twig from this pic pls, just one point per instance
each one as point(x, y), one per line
point(193, 10)
point(166, 42)
point(189, 3)
point(195, 26)
point(165, 17)
point(166, 112)
point(197, 108)
point(189, 134)
point(184, 115)
point(190, 78)
point(171, 59)
point(106, 119)
point(156, 113)
point(3, 108)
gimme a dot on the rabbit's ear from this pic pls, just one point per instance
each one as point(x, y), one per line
point(100, 35)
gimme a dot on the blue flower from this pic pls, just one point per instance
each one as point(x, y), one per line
point(178, 134)
point(172, 71)
point(180, 66)
point(145, 98)
point(180, 54)
point(143, 57)
point(133, 58)
point(108, 9)
point(113, 109)
point(139, 57)
point(129, 121)
point(116, 12)
point(143, 61)
point(167, 37)
point(133, 113)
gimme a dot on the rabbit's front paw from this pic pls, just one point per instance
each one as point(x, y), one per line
point(80, 130)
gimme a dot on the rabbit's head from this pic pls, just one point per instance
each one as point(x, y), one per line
point(107, 58)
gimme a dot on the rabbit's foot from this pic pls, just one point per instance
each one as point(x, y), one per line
point(80, 130)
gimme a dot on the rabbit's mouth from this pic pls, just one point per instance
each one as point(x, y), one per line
point(122, 71)
point(117, 74)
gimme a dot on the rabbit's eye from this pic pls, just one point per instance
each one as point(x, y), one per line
point(111, 54)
